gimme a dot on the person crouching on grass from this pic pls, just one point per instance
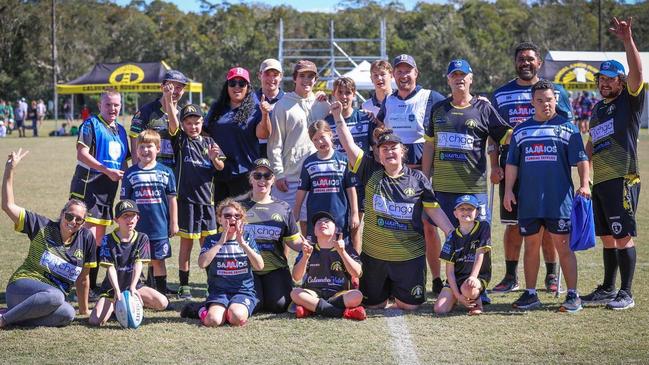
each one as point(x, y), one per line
point(230, 257)
point(468, 267)
point(325, 270)
point(123, 252)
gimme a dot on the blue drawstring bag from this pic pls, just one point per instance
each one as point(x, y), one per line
point(582, 235)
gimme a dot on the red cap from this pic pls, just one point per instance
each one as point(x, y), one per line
point(238, 72)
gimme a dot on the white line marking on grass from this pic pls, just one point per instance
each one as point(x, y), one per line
point(402, 347)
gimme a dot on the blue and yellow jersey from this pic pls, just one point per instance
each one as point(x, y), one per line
point(325, 272)
point(194, 169)
point(123, 256)
point(50, 260)
point(459, 135)
point(460, 250)
point(614, 128)
point(272, 225)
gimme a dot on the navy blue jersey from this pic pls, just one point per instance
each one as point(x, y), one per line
point(460, 250)
point(272, 225)
point(544, 153)
point(230, 271)
point(151, 116)
point(326, 181)
point(459, 135)
point(150, 190)
point(326, 272)
point(361, 127)
point(123, 256)
point(194, 169)
point(514, 102)
point(238, 141)
point(49, 260)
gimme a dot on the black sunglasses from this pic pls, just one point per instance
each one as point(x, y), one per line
point(239, 83)
point(73, 218)
point(259, 175)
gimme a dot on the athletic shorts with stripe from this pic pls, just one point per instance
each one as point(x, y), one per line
point(98, 192)
point(196, 220)
point(405, 280)
point(614, 205)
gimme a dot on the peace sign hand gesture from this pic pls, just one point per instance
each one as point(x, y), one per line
point(14, 158)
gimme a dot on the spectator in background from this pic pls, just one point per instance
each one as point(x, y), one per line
point(67, 111)
point(32, 114)
point(85, 112)
point(20, 114)
point(40, 112)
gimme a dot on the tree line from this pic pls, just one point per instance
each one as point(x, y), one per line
point(207, 44)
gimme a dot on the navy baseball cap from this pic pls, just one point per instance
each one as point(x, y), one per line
point(177, 76)
point(611, 68)
point(322, 214)
point(189, 110)
point(125, 206)
point(467, 199)
point(459, 65)
point(388, 138)
point(404, 58)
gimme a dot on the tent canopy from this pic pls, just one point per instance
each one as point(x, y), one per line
point(576, 70)
point(135, 77)
point(361, 76)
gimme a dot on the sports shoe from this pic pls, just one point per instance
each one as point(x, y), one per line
point(551, 283)
point(527, 301)
point(622, 301)
point(185, 292)
point(438, 285)
point(356, 313)
point(508, 284)
point(169, 291)
point(202, 313)
point(190, 310)
point(572, 304)
point(599, 296)
point(485, 298)
point(301, 312)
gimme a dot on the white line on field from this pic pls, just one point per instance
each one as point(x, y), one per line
point(402, 346)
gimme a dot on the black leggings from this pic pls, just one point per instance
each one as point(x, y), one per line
point(274, 290)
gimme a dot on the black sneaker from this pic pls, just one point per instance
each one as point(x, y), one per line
point(508, 284)
point(572, 304)
point(169, 291)
point(599, 296)
point(438, 285)
point(190, 310)
point(485, 298)
point(621, 302)
point(527, 301)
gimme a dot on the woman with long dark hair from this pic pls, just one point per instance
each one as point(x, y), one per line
point(236, 123)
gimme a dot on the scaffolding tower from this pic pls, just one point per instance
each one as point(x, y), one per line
point(328, 53)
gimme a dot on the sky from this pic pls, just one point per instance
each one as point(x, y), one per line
point(301, 5)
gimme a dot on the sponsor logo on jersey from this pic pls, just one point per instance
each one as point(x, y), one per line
point(231, 267)
point(521, 111)
point(58, 266)
point(276, 217)
point(471, 123)
point(336, 266)
point(616, 227)
point(538, 149)
point(264, 232)
point(409, 191)
point(602, 131)
point(446, 248)
point(392, 209)
point(391, 224)
point(328, 280)
point(455, 140)
point(453, 156)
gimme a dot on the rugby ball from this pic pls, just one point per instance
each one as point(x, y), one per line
point(129, 310)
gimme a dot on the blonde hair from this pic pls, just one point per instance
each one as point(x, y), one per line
point(149, 136)
point(319, 126)
point(109, 91)
point(229, 202)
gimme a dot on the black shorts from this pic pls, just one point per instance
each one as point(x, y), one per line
point(405, 280)
point(196, 220)
point(507, 217)
point(98, 192)
point(273, 290)
point(614, 205)
point(415, 151)
point(532, 226)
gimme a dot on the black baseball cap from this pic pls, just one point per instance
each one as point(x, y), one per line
point(322, 214)
point(125, 206)
point(189, 110)
point(388, 138)
point(262, 162)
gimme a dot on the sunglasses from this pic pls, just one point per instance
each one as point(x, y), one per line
point(73, 218)
point(259, 175)
point(239, 83)
point(230, 216)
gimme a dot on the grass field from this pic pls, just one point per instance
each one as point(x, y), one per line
point(594, 335)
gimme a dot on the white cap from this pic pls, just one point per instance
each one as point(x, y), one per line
point(270, 64)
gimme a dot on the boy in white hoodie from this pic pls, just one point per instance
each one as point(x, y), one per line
point(289, 144)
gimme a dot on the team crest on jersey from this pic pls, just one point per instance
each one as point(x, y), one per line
point(336, 266)
point(610, 109)
point(409, 192)
point(114, 150)
point(471, 123)
point(417, 291)
point(276, 217)
point(78, 254)
point(557, 131)
point(411, 117)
